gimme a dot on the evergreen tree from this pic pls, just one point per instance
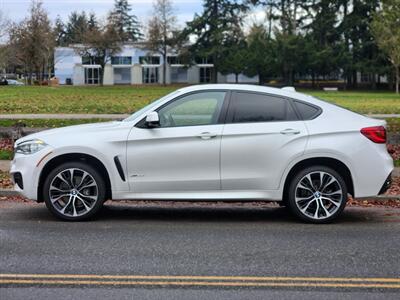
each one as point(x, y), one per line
point(214, 28)
point(77, 27)
point(361, 49)
point(60, 32)
point(92, 22)
point(125, 23)
point(325, 47)
point(261, 54)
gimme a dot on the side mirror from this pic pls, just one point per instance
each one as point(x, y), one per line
point(152, 120)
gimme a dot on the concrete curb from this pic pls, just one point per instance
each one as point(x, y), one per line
point(8, 193)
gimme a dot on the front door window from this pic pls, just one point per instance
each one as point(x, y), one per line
point(193, 110)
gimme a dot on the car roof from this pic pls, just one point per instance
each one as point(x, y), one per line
point(250, 88)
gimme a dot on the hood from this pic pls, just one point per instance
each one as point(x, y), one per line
point(48, 135)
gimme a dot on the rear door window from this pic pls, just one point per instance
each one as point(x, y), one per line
point(254, 107)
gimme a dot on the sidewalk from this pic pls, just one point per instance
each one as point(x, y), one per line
point(114, 116)
point(5, 165)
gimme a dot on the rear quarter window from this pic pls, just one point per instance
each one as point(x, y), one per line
point(307, 111)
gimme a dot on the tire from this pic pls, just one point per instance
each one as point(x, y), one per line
point(318, 202)
point(76, 200)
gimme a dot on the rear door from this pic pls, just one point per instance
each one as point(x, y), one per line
point(263, 133)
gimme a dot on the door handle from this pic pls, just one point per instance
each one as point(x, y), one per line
point(290, 131)
point(207, 135)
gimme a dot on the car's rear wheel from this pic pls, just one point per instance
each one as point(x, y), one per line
point(317, 194)
point(74, 191)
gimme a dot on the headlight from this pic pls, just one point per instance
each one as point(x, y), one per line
point(30, 147)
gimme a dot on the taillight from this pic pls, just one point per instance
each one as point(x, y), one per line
point(377, 134)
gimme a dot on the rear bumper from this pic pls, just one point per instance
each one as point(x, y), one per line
point(386, 185)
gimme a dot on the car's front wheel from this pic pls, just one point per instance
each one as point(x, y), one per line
point(74, 191)
point(317, 194)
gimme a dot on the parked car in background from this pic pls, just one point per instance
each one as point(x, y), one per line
point(14, 82)
point(211, 142)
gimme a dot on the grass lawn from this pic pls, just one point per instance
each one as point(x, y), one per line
point(127, 99)
point(6, 154)
point(47, 123)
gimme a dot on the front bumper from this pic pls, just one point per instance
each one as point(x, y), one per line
point(25, 171)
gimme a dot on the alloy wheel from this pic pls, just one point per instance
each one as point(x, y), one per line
point(319, 195)
point(73, 192)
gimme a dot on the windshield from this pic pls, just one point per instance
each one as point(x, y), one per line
point(149, 107)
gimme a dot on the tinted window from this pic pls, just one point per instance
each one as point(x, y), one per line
point(306, 111)
point(249, 107)
point(195, 109)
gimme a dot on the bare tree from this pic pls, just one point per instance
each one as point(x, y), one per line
point(32, 42)
point(4, 24)
point(386, 29)
point(161, 31)
point(100, 43)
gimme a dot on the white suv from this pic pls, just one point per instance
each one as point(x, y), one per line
point(211, 142)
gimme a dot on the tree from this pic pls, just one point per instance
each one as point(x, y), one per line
point(161, 35)
point(126, 24)
point(101, 43)
point(32, 42)
point(386, 29)
point(361, 52)
point(235, 60)
point(76, 28)
point(214, 28)
point(92, 22)
point(325, 47)
point(261, 56)
point(60, 32)
point(4, 24)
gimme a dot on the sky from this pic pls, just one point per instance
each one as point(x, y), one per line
point(16, 10)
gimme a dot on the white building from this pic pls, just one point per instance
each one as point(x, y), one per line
point(133, 66)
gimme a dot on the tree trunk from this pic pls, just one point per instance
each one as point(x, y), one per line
point(313, 79)
point(214, 72)
point(237, 78)
point(164, 81)
point(260, 79)
point(397, 78)
point(373, 79)
point(101, 71)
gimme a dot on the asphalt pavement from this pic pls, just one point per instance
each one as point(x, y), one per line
point(195, 252)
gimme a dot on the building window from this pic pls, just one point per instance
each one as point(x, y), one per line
point(203, 60)
point(121, 60)
point(174, 60)
point(365, 77)
point(92, 75)
point(179, 75)
point(150, 75)
point(91, 60)
point(149, 60)
point(205, 75)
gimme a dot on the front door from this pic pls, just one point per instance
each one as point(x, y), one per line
point(183, 154)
